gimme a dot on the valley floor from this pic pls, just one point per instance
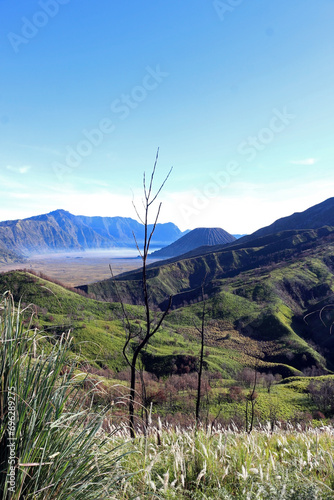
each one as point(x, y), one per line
point(77, 268)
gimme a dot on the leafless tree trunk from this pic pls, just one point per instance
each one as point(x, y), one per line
point(152, 324)
point(251, 399)
point(200, 370)
point(144, 411)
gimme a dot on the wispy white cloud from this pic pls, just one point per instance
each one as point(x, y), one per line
point(306, 161)
point(24, 169)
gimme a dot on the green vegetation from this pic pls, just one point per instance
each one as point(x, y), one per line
point(253, 319)
point(225, 464)
point(263, 293)
point(61, 449)
point(52, 445)
point(98, 338)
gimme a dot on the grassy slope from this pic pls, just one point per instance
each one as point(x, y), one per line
point(183, 278)
point(59, 309)
point(256, 313)
point(263, 291)
point(99, 336)
point(98, 328)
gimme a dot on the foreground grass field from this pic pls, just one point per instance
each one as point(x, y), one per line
point(225, 464)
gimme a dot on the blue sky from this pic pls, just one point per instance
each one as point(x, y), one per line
point(238, 95)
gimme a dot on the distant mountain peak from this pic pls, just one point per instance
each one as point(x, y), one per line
point(201, 236)
point(59, 211)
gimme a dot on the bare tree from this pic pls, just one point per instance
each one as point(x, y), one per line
point(251, 399)
point(136, 340)
point(201, 331)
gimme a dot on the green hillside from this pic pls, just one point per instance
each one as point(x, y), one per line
point(248, 325)
point(183, 278)
point(258, 296)
point(257, 314)
point(269, 306)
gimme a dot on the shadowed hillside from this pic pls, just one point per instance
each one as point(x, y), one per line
point(8, 257)
point(316, 217)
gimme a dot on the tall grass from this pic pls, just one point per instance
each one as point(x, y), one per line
point(227, 464)
point(51, 445)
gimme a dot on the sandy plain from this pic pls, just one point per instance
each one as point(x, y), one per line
point(79, 268)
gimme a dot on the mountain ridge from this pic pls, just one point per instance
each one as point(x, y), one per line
point(179, 276)
point(315, 217)
point(258, 293)
point(60, 230)
point(321, 214)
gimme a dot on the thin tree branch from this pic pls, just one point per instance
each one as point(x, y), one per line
point(154, 226)
point(156, 328)
point(134, 237)
point(162, 185)
point(152, 175)
point(137, 213)
point(125, 317)
point(144, 185)
point(150, 329)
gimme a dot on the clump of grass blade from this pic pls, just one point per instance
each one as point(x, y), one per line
point(61, 451)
